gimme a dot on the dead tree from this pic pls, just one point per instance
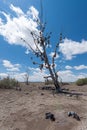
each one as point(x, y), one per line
point(42, 41)
point(26, 77)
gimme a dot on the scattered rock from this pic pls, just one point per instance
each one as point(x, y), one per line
point(26, 93)
point(42, 94)
point(18, 88)
point(74, 115)
point(50, 116)
point(46, 88)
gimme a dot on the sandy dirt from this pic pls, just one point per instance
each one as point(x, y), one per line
point(25, 110)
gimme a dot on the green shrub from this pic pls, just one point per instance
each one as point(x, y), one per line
point(81, 82)
point(8, 83)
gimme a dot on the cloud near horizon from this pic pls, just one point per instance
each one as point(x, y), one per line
point(69, 76)
point(79, 67)
point(37, 75)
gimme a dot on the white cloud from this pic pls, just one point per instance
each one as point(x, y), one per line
point(17, 10)
point(37, 74)
point(52, 54)
point(68, 67)
point(11, 67)
point(82, 75)
point(19, 26)
point(80, 67)
point(17, 76)
point(33, 12)
point(3, 75)
point(71, 48)
point(67, 76)
point(27, 52)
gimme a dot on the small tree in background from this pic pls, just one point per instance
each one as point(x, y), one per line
point(26, 76)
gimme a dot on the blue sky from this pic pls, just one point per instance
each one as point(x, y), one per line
point(66, 16)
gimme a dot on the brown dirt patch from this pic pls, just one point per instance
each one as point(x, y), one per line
point(25, 110)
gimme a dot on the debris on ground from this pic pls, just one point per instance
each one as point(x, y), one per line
point(42, 94)
point(50, 116)
point(74, 115)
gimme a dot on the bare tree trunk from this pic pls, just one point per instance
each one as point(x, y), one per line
point(27, 83)
point(55, 80)
point(54, 76)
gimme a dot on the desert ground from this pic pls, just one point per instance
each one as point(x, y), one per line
point(25, 109)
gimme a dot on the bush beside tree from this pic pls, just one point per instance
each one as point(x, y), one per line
point(9, 83)
point(81, 82)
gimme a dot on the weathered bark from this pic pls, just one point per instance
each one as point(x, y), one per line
point(53, 74)
point(57, 86)
point(27, 82)
point(56, 83)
